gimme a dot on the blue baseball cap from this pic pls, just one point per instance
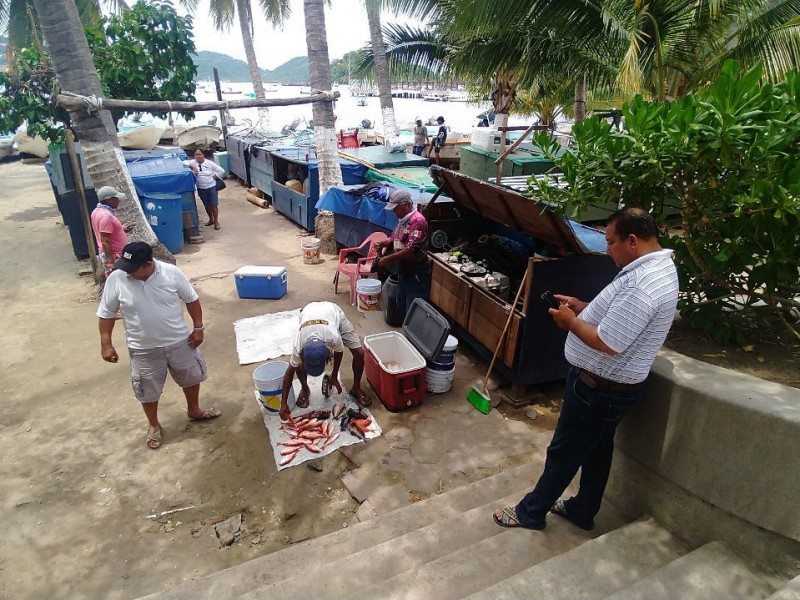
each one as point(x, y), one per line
point(315, 355)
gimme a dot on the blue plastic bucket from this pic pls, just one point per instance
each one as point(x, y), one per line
point(269, 383)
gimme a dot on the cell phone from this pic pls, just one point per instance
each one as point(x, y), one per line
point(550, 299)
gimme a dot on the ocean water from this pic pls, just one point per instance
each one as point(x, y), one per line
point(459, 116)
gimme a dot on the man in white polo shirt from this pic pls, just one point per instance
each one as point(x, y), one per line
point(150, 294)
point(612, 343)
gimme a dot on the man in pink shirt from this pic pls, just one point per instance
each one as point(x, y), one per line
point(108, 231)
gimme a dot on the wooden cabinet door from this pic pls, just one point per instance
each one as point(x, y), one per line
point(487, 317)
point(450, 293)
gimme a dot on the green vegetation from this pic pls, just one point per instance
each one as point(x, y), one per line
point(294, 71)
point(143, 53)
point(726, 159)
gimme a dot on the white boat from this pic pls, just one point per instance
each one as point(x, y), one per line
point(140, 136)
point(362, 102)
point(458, 97)
point(270, 88)
point(435, 97)
point(205, 137)
point(6, 146)
point(173, 131)
point(305, 90)
point(26, 144)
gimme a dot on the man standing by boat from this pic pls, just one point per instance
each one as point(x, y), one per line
point(109, 233)
point(440, 139)
point(612, 343)
point(421, 138)
point(206, 173)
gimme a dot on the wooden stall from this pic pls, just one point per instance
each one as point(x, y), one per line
point(559, 255)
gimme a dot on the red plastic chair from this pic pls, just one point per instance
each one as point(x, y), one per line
point(360, 268)
point(348, 140)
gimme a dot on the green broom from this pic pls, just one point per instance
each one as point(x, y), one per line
point(478, 396)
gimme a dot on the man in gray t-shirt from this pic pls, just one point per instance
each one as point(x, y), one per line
point(612, 343)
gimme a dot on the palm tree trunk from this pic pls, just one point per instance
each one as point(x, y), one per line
point(72, 60)
point(243, 8)
point(319, 71)
point(381, 68)
point(580, 99)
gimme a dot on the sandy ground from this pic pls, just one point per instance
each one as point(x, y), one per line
point(78, 482)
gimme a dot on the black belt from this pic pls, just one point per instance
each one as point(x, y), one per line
point(597, 382)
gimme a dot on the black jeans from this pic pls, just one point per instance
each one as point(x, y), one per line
point(584, 438)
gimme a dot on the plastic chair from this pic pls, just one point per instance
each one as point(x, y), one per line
point(360, 268)
point(348, 140)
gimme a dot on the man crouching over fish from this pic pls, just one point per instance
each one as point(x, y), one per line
point(324, 333)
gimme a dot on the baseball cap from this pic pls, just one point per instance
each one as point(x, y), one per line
point(440, 119)
point(315, 355)
point(134, 255)
point(106, 192)
point(397, 198)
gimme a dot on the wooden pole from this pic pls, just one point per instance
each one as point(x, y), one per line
point(87, 222)
point(78, 103)
point(514, 146)
point(222, 114)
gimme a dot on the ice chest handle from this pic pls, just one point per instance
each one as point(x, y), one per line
point(269, 277)
point(413, 380)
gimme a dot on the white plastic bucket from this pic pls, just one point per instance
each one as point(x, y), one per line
point(269, 383)
point(310, 248)
point(439, 382)
point(368, 295)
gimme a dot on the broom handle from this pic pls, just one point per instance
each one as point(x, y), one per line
point(505, 329)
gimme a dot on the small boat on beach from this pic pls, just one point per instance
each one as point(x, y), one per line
point(140, 131)
point(270, 88)
point(35, 146)
point(6, 146)
point(205, 137)
point(230, 91)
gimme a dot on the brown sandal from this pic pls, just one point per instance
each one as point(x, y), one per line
point(154, 439)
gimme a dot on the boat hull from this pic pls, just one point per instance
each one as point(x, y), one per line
point(145, 137)
point(205, 137)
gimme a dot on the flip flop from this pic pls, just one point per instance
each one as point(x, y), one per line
point(509, 515)
point(209, 224)
point(363, 400)
point(302, 400)
point(216, 225)
point(207, 414)
point(154, 439)
point(560, 509)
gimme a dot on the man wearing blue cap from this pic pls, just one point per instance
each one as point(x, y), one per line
point(324, 333)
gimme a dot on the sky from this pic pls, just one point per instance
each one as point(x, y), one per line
point(345, 20)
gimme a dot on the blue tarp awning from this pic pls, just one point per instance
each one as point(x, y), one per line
point(338, 201)
point(162, 175)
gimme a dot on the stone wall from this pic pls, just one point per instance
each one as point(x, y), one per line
point(714, 455)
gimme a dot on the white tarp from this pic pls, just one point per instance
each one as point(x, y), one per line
point(266, 336)
point(316, 401)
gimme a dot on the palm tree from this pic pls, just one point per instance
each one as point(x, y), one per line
point(381, 67)
point(319, 71)
point(69, 52)
point(224, 12)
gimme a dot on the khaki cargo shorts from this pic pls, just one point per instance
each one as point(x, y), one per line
point(149, 369)
point(349, 336)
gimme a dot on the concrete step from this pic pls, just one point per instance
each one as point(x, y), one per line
point(480, 565)
point(709, 573)
point(790, 591)
point(297, 559)
point(594, 569)
point(371, 566)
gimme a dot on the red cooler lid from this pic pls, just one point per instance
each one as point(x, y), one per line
point(426, 329)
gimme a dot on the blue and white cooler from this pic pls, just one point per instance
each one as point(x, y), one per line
point(254, 281)
point(440, 373)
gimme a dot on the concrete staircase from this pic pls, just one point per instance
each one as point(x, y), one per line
point(448, 547)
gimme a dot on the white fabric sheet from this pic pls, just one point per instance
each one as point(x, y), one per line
point(266, 336)
point(316, 401)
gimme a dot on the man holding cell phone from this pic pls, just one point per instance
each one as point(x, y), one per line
point(612, 343)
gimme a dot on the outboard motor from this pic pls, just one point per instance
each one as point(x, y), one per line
point(213, 120)
point(366, 124)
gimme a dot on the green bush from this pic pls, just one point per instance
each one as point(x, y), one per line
point(726, 158)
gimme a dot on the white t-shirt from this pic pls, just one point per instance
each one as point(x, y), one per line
point(325, 321)
point(152, 310)
point(633, 315)
point(205, 173)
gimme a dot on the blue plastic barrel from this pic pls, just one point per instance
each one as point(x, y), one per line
point(191, 220)
point(165, 215)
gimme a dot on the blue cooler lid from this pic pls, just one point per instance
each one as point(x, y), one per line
point(426, 329)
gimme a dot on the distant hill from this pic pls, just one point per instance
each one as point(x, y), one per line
point(295, 71)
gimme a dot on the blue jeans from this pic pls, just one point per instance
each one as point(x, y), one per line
point(418, 150)
point(584, 438)
point(209, 196)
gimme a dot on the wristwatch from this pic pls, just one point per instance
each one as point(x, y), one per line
point(200, 329)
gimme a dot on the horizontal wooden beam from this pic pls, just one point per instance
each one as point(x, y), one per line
point(524, 127)
point(77, 103)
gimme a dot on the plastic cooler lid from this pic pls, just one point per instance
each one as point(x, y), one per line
point(426, 329)
point(256, 271)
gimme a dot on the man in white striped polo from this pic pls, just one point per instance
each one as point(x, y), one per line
point(612, 343)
